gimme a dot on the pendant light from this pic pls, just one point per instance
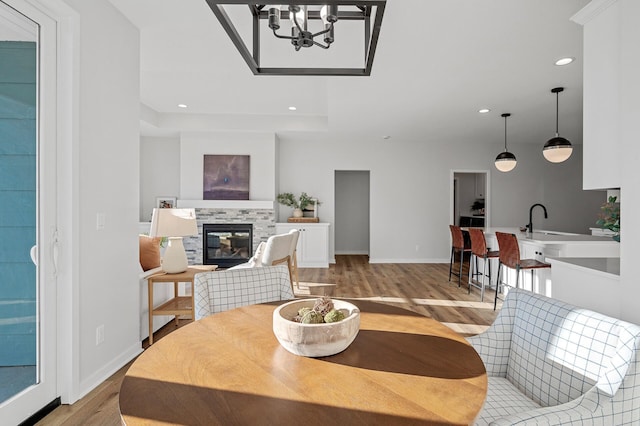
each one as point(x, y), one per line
point(557, 149)
point(505, 161)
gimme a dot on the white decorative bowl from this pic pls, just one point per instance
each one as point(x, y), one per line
point(315, 340)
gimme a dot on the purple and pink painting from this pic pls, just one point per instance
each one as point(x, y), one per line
point(226, 177)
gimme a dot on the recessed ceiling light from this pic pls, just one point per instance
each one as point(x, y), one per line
point(292, 108)
point(564, 61)
point(484, 110)
point(182, 105)
point(386, 137)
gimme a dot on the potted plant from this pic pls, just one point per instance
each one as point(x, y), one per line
point(298, 204)
point(478, 206)
point(609, 218)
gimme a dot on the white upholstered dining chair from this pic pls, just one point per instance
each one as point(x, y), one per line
point(219, 291)
point(278, 249)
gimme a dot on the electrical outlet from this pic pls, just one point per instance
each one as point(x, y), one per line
point(100, 221)
point(99, 334)
point(417, 247)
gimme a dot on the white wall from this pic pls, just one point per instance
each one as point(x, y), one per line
point(629, 87)
point(105, 168)
point(260, 146)
point(557, 186)
point(159, 172)
point(410, 184)
point(351, 229)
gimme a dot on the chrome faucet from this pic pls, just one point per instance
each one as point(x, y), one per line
point(530, 225)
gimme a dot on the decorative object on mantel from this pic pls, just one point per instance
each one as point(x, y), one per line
point(312, 22)
point(299, 204)
point(303, 220)
point(225, 177)
point(610, 217)
point(166, 202)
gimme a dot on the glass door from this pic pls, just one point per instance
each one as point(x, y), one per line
point(27, 212)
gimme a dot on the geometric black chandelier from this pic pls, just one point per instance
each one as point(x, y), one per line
point(313, 24)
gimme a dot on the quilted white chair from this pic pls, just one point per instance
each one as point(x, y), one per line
point(220, 291)
point(551, 363)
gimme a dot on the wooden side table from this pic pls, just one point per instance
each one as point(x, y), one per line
point(179, 305)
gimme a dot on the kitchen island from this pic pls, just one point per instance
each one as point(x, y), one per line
point(543, 245)
point(591, 283)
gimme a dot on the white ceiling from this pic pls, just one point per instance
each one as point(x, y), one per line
point(437, 63)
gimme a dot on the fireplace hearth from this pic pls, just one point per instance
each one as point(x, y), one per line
point(226, 244)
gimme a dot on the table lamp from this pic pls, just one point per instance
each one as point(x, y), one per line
point(175, 224)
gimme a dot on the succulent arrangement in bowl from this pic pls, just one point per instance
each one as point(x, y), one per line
point(316, 327)
point(323, 311)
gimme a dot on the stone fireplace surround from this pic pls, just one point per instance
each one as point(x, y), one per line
point(259, 213)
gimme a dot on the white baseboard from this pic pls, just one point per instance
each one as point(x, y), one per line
point(408, 260)
point(93, 381)
point(352, 252)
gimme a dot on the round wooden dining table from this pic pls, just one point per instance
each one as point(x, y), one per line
point(228, 369)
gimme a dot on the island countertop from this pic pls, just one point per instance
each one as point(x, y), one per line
point(551, 237)
point(599, 265)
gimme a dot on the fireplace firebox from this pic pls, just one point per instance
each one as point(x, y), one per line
point(227, 244)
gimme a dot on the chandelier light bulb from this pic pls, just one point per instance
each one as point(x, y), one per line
point(274, 17)
point(300, 15)
point(329, 14)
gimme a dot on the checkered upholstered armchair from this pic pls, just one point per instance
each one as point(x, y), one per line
point(551, 363)
point(220, 291)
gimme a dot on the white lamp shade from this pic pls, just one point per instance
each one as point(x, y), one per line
point(506, 165)
point(173, 223)
point(557, 154)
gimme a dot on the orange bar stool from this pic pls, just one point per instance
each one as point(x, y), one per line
point(479, 250)
point(510, 257)
point(458, 245)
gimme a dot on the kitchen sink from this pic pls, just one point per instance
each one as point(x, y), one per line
point(555, 233)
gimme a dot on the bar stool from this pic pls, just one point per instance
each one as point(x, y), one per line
point(479, 250)
point(510, 257)
point(458, 245)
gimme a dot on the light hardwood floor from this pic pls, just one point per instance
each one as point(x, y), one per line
point(423, 288)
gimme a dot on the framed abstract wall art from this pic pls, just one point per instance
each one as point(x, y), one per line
point(226, 177)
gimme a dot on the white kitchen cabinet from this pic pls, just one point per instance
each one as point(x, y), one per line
point(611, 67)
point(313, 243)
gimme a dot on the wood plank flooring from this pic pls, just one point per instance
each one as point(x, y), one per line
point(423, 288)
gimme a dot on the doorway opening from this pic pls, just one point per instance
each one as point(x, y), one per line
point(469, 198)
point(352, 205)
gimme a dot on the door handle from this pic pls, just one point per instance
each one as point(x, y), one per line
point(54, 252)
point(34, 255)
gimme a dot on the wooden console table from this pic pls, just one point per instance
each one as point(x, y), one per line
point(229, 369)
point(179, 305)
